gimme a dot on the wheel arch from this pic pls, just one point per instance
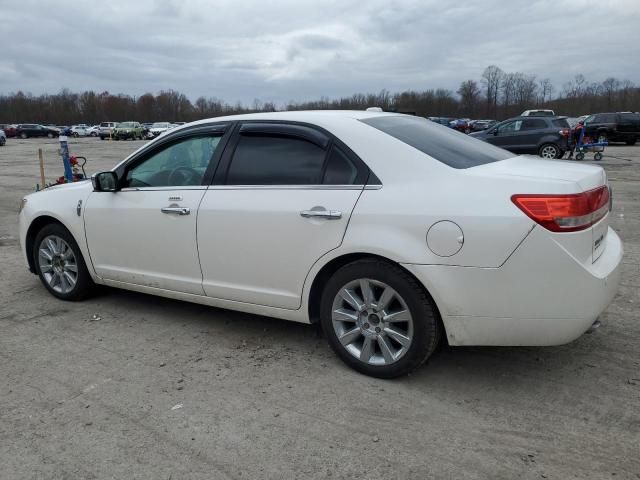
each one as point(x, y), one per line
point(332, 266)
point(35, 226)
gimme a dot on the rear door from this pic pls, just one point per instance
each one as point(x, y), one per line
point(531, 131)
point(281, 199)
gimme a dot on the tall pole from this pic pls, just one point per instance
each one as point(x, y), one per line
point(41, 159)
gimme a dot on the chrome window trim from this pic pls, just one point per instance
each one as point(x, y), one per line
point(161, 189)
point(295, 187)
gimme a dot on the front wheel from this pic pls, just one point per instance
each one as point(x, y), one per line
point(60, 265)
point(378, 319)
point(549, 151)
point(631, 141)
point(23, 135)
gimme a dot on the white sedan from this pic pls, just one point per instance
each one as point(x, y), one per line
point(389, 230)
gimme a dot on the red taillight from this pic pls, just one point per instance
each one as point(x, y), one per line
point(564, 132)
point(565, 213)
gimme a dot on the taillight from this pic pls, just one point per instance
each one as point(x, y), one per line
point(564, 132)
point(565, 213)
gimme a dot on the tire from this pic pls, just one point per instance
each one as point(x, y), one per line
point(631, 141)
point(580, 156)
point(75, 134)
point(420, 332)
point(93, 134)
point(2, 141)
point(24, 135)
point(549, 151)
point(101, 137)
point(62, 265)
point(597, 157)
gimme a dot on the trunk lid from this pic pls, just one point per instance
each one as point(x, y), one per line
point(532, 175)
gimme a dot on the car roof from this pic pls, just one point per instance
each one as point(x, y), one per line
point(299, 116)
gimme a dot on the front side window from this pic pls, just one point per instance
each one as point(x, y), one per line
point(183, 163)
point(533, 124)
point(275, 160)
point(510, 127)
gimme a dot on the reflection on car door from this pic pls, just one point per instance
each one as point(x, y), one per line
point(283, 201)
point(145, 234)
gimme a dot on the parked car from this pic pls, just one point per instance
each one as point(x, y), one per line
point(159, 128)
point(460, 124)
point(27, 130)
point(614, 127)
point(93, 131)
point(9, 130)
point(126, 130)
point(3, 138)
point(106, 129)
point(548, 137)
point(479, 125)
point(538, 113)
point(441, 120)
point(79, 131)
point(307, 219)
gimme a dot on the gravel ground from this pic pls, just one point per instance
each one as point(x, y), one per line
point(130, 386)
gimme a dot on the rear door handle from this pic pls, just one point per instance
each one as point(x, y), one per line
point(329, 214)
point(176, 210)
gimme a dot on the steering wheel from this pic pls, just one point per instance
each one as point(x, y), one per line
point(182, 176)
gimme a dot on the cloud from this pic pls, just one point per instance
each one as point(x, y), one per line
point(293, 50)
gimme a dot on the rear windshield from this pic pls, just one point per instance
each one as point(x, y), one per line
point(445, 144)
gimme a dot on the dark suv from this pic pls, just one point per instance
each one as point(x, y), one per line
point(613, 127)
point(544, 136)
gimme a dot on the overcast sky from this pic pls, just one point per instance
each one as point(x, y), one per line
point(304, 49)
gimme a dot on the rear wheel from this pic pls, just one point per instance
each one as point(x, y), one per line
point(580, 156)
point(631, 141)
point(378, 319)
point(23, 135)
point(549, 150)
point(60, 265)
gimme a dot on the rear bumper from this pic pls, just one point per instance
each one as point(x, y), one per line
point(540, 296)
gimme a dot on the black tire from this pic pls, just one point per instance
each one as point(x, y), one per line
point(631, 141)
point(24, 135)
point(2, 141)
point(84, 284)
point(427, 328)
point(101, 137)
point(597, 157)
point(49, 135)
point(76, 134)
point(580, 156)
point(547, 147)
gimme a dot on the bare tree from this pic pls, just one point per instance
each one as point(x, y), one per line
point(491, 80)
point(469, 97)
point(546, 90)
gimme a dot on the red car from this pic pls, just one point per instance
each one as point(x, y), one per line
point(9, 130)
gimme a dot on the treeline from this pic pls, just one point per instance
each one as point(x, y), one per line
point(496, 94)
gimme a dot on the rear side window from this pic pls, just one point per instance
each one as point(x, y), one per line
point(560, 122)
point(275, 160)
point(630, 117)
point(446, 145)
point(339, 170)
point(606, 118)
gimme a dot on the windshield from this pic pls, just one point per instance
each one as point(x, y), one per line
point(446, 145)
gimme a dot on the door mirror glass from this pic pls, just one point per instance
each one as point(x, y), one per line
point(105, 182)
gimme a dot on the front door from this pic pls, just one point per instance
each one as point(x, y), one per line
point(285, 201)
point(145, 233)
point(508, 136)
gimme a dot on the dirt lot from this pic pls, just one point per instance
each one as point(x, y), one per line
point(130, 386)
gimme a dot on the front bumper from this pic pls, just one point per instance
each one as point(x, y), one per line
point(540, 296)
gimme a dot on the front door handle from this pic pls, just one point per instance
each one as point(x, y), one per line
point(329, 214)
point(176, 210)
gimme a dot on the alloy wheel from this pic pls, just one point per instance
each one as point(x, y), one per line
point(549, 151)
point(372, 321)
point(58, 264)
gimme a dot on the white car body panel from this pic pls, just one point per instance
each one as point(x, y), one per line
point(243, 252)
point(510, 283)
point(151, 248)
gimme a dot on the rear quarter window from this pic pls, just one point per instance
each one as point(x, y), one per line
point(561, 122)
point(446, 145)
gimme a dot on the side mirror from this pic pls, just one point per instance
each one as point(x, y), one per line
point(105, 182)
